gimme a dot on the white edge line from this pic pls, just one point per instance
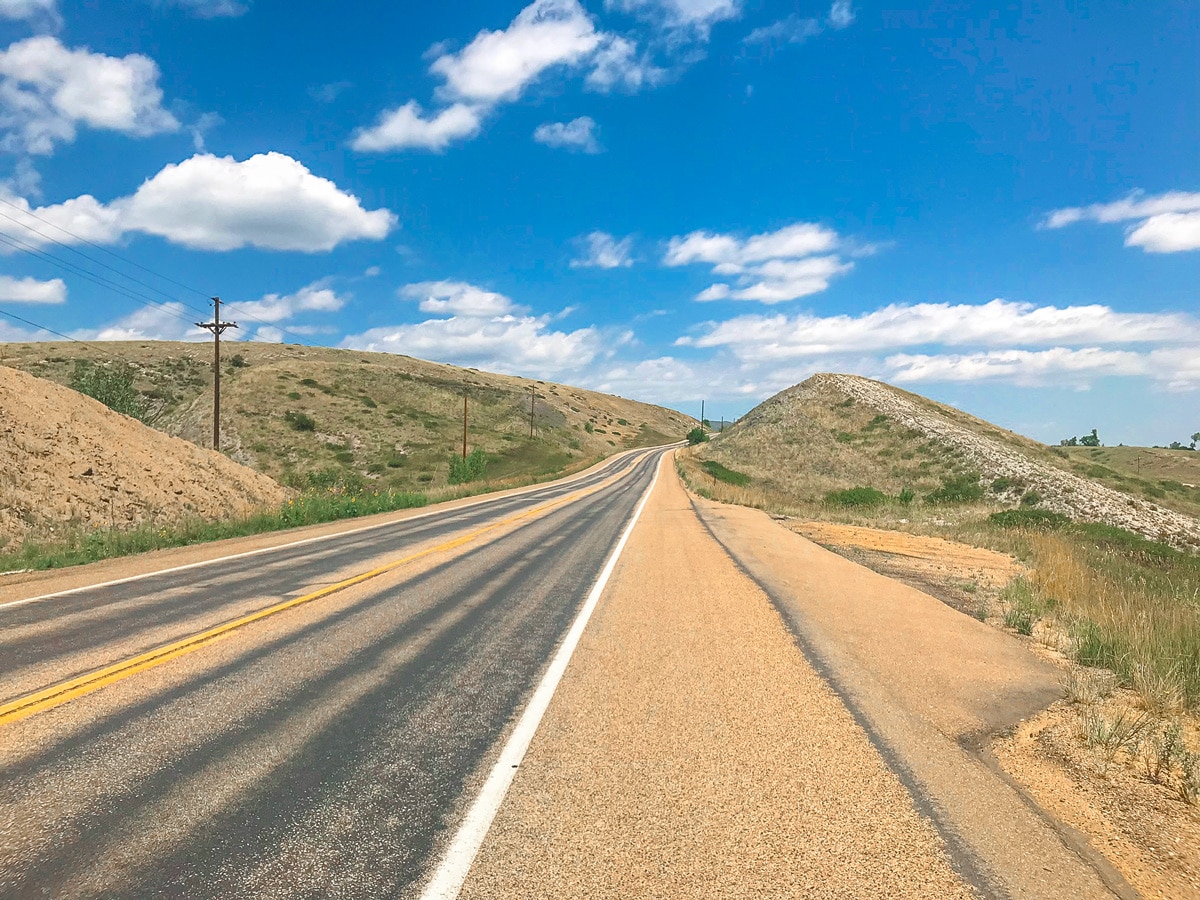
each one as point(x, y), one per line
point(312, 540)
point(452, 872)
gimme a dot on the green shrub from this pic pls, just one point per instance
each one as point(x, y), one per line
point(112, 386)
point(859, 497)
point(309, 382)
point(1028, 518)
point(1031, 498)
point(299, 420)
point(589, 427)
point(469, 468)
point(293, 395)
point(907, 496)
point(1001, 484)
point(237, 361)
point(957, 489)
point(697, 436)
point(729, 476)
point(622, 422)
point(368, 402)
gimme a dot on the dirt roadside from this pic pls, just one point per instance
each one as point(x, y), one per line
point(931, 684)
point(691, 751)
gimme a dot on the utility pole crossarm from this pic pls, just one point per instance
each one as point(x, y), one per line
point(217, 327)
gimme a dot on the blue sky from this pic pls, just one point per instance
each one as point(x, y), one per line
point(668, 199)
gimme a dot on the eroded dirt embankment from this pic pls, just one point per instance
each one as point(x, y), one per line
point(67, 460)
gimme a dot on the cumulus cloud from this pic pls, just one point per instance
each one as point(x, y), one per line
point(771, 267)
point(578, 134)
point(276, 308)
point(40, 12)
point(999, 323)
point(269, 201)
point(480, 328)
point(841, 14)
point(30, 290)
point(1163, 223)
point(458, 298)
point(408, 127)
point(603, 251)
point(499, 66)
point(48, 90)
point(694, 16)
point(1021, 367)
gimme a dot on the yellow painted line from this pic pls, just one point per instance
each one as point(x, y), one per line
point(65, 691)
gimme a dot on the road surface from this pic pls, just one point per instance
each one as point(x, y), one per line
point(323, 750)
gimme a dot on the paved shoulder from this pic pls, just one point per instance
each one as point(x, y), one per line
point(692, 751)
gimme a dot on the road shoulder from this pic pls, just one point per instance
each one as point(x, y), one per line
point(691, 750)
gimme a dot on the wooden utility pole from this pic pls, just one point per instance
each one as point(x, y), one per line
point(702, 412)
point(532, 401)
point(216, 326)
point(464, 424)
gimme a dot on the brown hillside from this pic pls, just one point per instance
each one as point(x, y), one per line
point(391, 420)
point(66, 459)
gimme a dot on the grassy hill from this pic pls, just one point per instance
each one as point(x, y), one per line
point(835, 433)
point(305, 415)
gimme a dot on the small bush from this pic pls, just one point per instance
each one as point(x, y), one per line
point(622, 422)
point(697, 436)
point(859, 497)
point(237, 361)
point(957, 489)
point(907, 496)
point(1028, 518)
point(1001, 484)
point(589, 427)
point(729, 476)
point(299, 421)
point(1031, 498)
point(112, 386)
point(368, 402)
point(309, 382)
point(293, 395)
point(469, 468)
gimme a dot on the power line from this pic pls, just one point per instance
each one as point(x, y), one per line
point(102, 248)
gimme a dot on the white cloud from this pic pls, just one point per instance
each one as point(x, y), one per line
point(485, 330)
point(578, 134)
point(497, 65)
point(38, 11)
point(1170, 222)
point(771, 267)
point(694, 16)
point(1167, 233)
point(603, 251)
point(214, 9)
point(999, 323)
point(30, 290)
point(458, 298)
point(841, 14)
point(162, 322)
point(276, 308)
point(269, 201)
point(616, 64)
point(792, 30)
point(1021, 367)
point(48, 90)
point(407, 126)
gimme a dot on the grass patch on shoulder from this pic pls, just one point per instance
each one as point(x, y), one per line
point(313, 507)
point(856, 498)
point(721, 473)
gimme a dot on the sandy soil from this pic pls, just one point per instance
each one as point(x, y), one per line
point(65, 458)
point(691, 751)
point(1149, 834)
point(966, 577)
point(1142, 827)
point(931, 684)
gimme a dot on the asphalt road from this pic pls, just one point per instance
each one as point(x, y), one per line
point(328, 750)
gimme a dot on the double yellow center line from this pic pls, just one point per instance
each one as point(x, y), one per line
point(65, 691)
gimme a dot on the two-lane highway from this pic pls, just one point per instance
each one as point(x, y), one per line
point(325, 750)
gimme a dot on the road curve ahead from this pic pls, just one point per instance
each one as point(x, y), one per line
point(328, 748)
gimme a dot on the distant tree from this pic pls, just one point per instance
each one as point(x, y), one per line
point(113, 386)
point(1090, 440)
point(697, 436)
point(1069, 442)
point(1195, 439)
